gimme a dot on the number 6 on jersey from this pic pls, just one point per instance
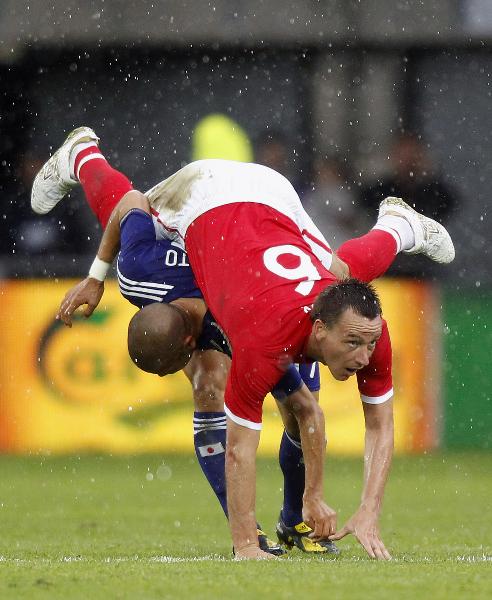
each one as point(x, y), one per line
point(304, 269)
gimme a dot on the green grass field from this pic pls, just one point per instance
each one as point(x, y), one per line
point(148, 527)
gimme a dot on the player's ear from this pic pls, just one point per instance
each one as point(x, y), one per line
point(190, 342)
point(319, 329)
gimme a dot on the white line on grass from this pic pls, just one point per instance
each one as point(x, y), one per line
point(218, 558)
point(114, 559)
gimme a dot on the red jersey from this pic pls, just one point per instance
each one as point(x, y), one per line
point(259, 277)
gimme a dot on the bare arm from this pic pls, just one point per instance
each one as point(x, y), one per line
point(240, 468)
point(379, 443)
point(311, 422)
point(90, 290)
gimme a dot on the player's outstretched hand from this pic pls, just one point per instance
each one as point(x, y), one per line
point(89, 291)
point(320, 517)
point(252, 552)
point(364, 526)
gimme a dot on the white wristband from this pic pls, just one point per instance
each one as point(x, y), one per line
point(99, 269)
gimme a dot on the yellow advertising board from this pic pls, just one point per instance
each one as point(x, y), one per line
point(67, 390)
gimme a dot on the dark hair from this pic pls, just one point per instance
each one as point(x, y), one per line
point(156, 338)
point(351, 293)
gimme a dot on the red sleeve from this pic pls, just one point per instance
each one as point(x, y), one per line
point(251, 377)
point(375, 381)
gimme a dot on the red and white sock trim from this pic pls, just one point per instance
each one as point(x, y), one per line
point(399, 228)
point(393, 233)
point(87, 159)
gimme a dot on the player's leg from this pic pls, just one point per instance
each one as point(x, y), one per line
point(399, 228)
point(207, 373)
point(103, 185)
point(292, 465)
point(369, 256)
point(79, 160)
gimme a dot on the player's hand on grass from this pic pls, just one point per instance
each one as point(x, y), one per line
point(364, 526)
point(320, 517)
point(89, 292)
point(252, 552)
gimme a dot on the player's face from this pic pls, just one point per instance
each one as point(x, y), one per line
point(347, 346)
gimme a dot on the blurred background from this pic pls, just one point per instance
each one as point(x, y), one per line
point(352, 101)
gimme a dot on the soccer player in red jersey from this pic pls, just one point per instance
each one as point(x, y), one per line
point(266, 274)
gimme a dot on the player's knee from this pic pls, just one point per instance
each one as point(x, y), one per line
point(135, 197)
point(208, 395)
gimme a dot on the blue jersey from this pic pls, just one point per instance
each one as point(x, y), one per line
point(151, 270)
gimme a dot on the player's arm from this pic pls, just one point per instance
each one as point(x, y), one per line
point(311, 426)
point(242, 444)
point(378, 453)
point(90, 290)
point(243, 402)
point(364, 524)
point(240, 471)
point(244, 397)
point(304, 421)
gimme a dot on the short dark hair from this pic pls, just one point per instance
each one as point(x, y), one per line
point(351, 293)
point(156, 338)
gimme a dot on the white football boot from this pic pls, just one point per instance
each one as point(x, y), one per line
point(431, 238)
point(54, 179)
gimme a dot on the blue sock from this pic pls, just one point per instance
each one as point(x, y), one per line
point(209, 430)
point(292, 464)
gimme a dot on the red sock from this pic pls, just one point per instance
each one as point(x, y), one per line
point(369, 256)
point(103, 186)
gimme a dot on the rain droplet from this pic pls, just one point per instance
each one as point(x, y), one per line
point(164, 473)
